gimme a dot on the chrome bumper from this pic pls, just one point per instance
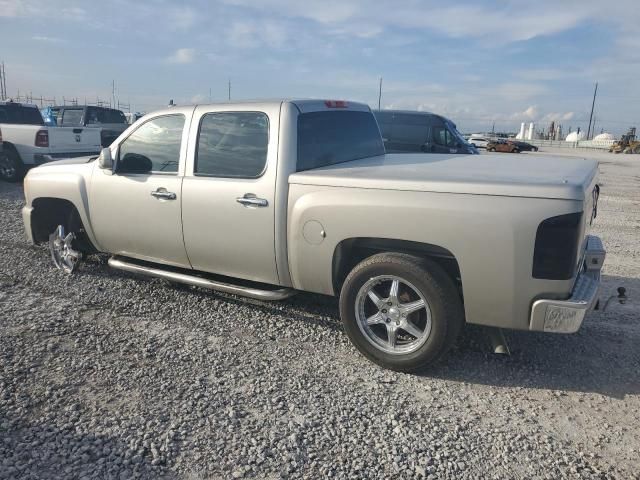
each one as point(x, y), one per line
point(566, 316)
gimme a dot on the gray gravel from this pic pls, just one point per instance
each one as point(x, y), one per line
point(104, 375)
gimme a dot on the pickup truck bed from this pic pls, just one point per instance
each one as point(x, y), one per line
point(478, 175)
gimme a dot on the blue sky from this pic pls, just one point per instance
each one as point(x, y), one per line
point(477, 62)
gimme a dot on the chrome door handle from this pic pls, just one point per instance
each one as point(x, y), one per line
point(250, 200)
point(163, 194)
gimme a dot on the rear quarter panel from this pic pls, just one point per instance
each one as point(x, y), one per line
point(492, 238)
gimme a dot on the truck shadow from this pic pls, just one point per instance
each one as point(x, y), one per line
point(603, 357)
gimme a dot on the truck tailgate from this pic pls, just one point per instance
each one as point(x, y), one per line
point(74, 140)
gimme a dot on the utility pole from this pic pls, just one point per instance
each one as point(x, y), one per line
point(113, 93)
point(209, 94)
point(380, 93)
point(3, 83)
point(592, 105)
point(229, 89)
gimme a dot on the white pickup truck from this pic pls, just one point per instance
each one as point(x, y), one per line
point(264, 199)
point(28, 142)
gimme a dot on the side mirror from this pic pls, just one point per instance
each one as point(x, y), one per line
point(105, 161)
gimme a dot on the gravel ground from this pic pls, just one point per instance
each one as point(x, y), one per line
point(104, 375)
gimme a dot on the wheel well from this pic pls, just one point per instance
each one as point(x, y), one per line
point(48, 213)
point(10, 146)
point(352, 251)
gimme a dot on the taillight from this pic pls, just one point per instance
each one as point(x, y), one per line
point(42, 138)
point(556, 249)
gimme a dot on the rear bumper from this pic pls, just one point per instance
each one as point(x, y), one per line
point(566, 316)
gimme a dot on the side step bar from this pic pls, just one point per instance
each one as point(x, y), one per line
point(256, 293)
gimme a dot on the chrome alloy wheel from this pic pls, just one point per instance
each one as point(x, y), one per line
point(393, 315)
point(63, 255)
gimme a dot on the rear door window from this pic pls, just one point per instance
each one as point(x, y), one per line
point(232, 144)
point(330, 137)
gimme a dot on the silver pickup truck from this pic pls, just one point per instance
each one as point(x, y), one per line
point(264, 199)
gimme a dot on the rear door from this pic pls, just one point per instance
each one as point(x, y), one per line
point(228, 192)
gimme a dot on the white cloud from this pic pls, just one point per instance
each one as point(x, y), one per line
point(509, 21)
point(41, 8)
point(39, 38)
point(252, 34)
point(182, 18)
point(182, 55)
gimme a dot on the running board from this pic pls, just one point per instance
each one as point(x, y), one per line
point(256, 293)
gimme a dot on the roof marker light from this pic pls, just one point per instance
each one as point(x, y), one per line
point(335, 104)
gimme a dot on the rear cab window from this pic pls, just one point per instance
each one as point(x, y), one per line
point(17, 114)
point(72, 117)
point(330, 137)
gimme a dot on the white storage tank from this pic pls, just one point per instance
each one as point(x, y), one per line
point(575, 137)
point(604, 137)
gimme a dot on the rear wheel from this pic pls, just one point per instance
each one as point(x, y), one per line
point(402, 312)
point(11, 167)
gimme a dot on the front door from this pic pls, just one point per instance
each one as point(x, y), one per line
point(135, 211)
point(228, 194)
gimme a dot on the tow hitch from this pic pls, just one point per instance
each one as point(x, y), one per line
point(622, 299)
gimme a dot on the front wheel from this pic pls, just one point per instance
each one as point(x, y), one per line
point(402, 312)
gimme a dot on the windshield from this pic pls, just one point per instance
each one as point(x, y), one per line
point(326, 138)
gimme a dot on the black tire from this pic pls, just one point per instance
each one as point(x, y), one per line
point(11, 167)
point(442, 297)
point(515, 150)
point(491, 149)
